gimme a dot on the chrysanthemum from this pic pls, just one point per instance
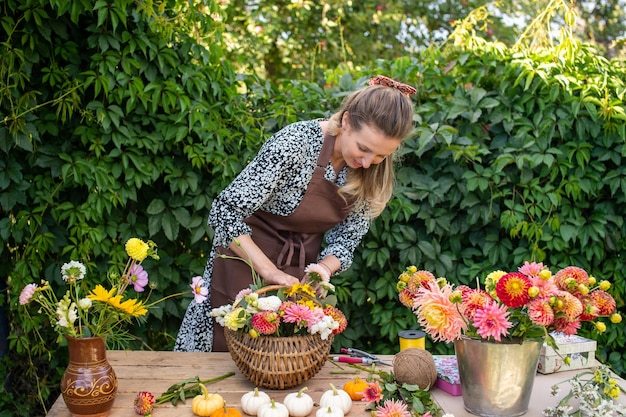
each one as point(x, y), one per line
point(437, 314)
point(540, 312)
point(137, 249)
point(474, 299)
point(298, 314)
point(569, 278)
point(512, 289)
point(143, 403)
point(266, 322)
point(492, 321)
point(138, 277)
point(27, 293)
point(338, 316)
point(373, 393)
point(73, 271)
point(200, 293)
point(392, 408)
point(604, 301)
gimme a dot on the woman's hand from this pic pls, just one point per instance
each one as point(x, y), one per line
point(281, 278)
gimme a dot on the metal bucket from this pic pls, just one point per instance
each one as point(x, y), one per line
point(497, 378)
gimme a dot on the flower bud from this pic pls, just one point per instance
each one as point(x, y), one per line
point(254, 333)
point(583, 289)
point(600, 326)
point(616, 318)
point(412, 269)
point(545, 274)
point(533, 291)
point(604, 285)
point(592, 281)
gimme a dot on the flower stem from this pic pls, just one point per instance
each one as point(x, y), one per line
point(188, 388)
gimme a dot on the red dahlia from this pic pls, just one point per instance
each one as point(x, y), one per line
point(512, 289)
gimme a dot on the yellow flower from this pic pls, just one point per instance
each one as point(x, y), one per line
point(101, 294)
point(133, 307)
point(137, 249)
point(604, 285)
point(600, 326)
point(616, 318)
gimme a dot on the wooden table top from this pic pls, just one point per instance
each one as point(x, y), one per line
point(157, 371)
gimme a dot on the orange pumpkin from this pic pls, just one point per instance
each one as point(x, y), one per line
point(355, 388)
point(226, 412)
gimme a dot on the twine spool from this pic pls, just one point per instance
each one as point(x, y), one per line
point(412, 339)
point(415, 366)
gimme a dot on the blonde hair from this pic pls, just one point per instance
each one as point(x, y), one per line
point(389, 111)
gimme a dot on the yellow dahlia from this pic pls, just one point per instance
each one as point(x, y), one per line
point(137, 249)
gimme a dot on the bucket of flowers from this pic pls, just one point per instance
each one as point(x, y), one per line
point(514, 313)
point(273, 330)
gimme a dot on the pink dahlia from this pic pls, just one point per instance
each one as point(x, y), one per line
point(418, 279)
point(568, 327)
point(393, 408)
point(297, 313)
point(437, 315)
point(265, 322)
point(406, 298)
point(531, 269)
point(540, 312)
point(27, 293)
point(512, 289)
point(492, 321)
point(373, 393)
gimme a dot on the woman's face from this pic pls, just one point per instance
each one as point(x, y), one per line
point(365, 147)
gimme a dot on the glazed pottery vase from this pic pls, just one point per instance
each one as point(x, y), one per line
point(89, 384)
point(497, 378)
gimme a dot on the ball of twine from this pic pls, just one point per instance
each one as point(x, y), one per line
point(415, 366)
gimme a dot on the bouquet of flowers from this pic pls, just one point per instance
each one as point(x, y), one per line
point(101, 311)
point(285, 311)
point(529, 303)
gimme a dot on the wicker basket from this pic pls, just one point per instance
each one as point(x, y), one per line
point(278, 362)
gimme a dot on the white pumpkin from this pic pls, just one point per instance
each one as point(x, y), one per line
point(329, 412)
point(336, 398)
point(299, 403)
point(273, 409)
point(251, 401)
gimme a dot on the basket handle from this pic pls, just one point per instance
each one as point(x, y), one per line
point(269, 288)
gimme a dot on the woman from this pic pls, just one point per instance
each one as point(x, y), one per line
point(310, 180)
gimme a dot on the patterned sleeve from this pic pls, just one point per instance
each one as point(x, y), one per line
point(343, 239)
point(256, 184)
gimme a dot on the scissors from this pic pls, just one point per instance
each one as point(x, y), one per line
point(359, 356)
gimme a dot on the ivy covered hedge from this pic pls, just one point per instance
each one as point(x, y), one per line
point(119, 120)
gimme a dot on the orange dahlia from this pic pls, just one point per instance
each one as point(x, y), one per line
point(604, 301)
point(540, 312)
point(338, 316)
point(265, 322)
point(512, 289)
point(570, 278)
point(474, 299)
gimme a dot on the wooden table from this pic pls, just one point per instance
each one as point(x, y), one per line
point(157, 371)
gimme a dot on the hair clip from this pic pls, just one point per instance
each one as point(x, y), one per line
point(388, 82)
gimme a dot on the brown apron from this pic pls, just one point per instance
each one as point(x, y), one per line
point(291, 242)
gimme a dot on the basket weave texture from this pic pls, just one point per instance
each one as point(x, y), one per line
point(278, 362)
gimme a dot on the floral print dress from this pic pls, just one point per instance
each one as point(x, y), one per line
point(275, 181)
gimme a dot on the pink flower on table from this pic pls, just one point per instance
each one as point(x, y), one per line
point(492, 320)
point(200, 293)
point(27, 293)
point(143, 403)
point(393, 408)
point(373, 393)
point(138, 277)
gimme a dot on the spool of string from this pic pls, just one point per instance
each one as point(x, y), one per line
point(415, 366)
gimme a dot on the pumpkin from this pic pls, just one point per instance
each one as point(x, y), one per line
point(329, 412)
point(205, 404)
point(251, 401)
point(356, 388)
point(336, 398)
point(273, 409)
point(226, 412)
point(299, 404)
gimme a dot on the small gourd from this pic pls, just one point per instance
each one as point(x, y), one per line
point(299, 404)
point(205, 404)
point(356, 388)
point(329, 412)
point(251, 401)
point(273, 409)
point(336, 398)
point(226, 412)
